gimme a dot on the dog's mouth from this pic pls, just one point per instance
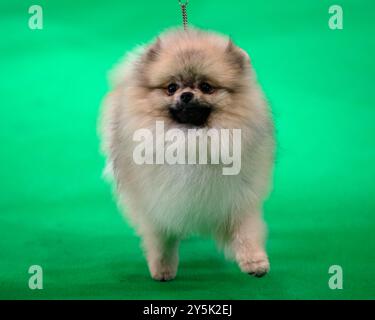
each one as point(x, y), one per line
point(192, 113)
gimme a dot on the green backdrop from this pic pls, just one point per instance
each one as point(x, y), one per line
point(57, 212)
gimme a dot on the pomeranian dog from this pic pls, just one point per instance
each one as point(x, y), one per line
point(191, 79)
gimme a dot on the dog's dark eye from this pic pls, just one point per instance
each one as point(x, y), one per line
point(172, 88)
point(206, 88)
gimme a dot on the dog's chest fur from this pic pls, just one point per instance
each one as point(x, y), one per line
point(185, 199)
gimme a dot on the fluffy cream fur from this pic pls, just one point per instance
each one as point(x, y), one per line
point(168, 202)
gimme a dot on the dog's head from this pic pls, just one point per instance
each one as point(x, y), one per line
point(193, 78)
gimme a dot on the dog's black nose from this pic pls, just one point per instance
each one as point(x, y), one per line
point(186, 97)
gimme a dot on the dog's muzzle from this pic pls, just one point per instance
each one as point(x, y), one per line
point(190, 113)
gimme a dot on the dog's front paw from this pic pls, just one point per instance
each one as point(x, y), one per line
point(163, 272)
point(163, 275)
point(256, 264)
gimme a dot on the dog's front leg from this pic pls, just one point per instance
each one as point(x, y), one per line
point(248, 244)
point(162, 254)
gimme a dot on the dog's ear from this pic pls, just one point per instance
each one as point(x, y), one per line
point(154, 50)
point(237, 55)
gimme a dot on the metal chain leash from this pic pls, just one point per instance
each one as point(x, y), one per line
point(183, 5)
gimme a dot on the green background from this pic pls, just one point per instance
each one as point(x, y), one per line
point(57, 212)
